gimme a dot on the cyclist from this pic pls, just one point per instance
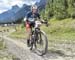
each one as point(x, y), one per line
point(30, 21)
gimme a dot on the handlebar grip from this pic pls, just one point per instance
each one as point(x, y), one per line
point(45, 22)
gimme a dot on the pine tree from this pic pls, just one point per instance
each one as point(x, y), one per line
point(71, 8)
point(59, 9)
point(49, 9)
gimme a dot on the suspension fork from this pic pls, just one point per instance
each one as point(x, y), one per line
point(37, 32)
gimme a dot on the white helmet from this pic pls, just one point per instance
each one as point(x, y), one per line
point(34, 7)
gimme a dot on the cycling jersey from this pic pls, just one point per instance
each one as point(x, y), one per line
point(31, 20)
point(31, 17)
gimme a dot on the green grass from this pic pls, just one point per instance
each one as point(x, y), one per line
point(20, 33)
point(58, 31)
point(61, 29)
point(2, 45)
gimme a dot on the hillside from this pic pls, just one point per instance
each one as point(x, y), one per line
point(61, 37)
point(57, 29)
point(60, 9)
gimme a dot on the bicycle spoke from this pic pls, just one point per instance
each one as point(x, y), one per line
point(39, 43)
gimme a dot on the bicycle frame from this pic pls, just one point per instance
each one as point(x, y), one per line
point(36, 38)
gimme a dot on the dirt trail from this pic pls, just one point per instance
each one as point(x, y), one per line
point(20, 50)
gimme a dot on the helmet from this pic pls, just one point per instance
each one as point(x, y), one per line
point(34, 7)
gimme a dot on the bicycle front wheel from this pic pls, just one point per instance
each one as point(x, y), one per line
point(41, 43)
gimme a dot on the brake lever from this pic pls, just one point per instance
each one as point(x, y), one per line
point(45, 22)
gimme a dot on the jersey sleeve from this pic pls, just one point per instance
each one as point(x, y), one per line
point(27, 15)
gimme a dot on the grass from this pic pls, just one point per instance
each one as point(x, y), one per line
point(3, 28)
point(62, 31)
point(20, 33)
point(2, 45)
point(4, 55)
point(58, 32)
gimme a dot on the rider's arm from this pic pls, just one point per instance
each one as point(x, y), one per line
point(28, 15)
point(40, 18)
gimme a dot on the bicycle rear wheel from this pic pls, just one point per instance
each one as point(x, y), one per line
point(41, 45)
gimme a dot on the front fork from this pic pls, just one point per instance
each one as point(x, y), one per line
point(38, 36)
point(35, 38)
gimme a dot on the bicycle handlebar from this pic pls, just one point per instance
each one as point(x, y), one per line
point(45, 22)
point(42, 21)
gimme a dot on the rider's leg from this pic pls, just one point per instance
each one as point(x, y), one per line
point(28, 37)
point(28, 30)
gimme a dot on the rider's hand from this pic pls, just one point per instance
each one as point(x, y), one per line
point(45, 22)
point(42, 21)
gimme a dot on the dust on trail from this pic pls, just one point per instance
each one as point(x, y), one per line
point(20, 50)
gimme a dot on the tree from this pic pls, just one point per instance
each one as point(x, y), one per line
point(71, 8)
point(42, 13)
point(49, 9)
point(59, 9)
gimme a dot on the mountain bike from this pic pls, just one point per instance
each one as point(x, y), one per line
point(39, 41)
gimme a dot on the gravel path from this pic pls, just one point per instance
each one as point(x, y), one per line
point(21, 51)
